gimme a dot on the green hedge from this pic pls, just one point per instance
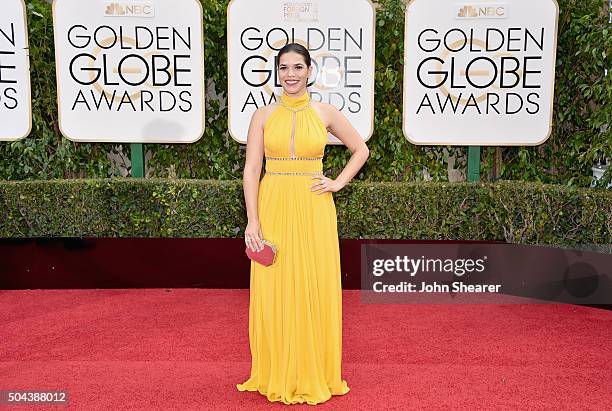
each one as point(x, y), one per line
point(511, 211)
point(582, 111)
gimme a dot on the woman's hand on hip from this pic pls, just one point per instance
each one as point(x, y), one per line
point(324, 184)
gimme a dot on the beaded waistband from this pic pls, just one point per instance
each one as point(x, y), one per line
point(294, 165)
point(296, 173)
point(294, 158)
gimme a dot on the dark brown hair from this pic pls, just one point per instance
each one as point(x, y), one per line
point(296, 48)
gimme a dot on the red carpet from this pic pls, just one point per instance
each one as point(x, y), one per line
point(185, 349)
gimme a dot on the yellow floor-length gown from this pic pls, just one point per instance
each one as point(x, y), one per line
point(295, 308)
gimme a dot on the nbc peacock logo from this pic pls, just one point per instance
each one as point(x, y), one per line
point(131, 9)
point(114, 9)
point(467, 11)
point(490, 11)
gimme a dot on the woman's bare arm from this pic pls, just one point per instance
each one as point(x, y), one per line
point(251, 175)
point(341, 128)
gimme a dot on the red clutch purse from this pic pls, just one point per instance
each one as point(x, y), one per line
point(264, 257)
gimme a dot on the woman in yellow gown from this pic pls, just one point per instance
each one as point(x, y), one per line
point(295, 309)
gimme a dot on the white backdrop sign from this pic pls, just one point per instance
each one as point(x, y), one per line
point(479, 73)
point(130, 71)
point(338, 34)
point(15, 99)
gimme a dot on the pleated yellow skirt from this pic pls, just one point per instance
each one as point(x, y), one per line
point(295, 309)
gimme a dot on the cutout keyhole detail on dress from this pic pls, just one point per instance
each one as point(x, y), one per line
point(292, 146)
point(294, 111)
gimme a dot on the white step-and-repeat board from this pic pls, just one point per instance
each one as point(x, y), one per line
point(15, 99)
point(339, 36)
point(479, 73)
point(130, 71)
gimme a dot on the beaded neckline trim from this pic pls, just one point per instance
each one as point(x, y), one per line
point(294, 109)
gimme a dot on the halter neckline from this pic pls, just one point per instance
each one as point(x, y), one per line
point(295, 102)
